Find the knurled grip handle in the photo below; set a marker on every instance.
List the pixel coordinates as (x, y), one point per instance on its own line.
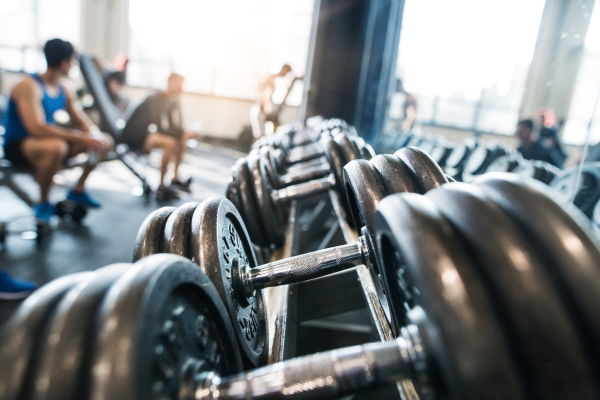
(323, 375)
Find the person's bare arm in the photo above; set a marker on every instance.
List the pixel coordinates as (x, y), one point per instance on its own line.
(28, 98)
(79, 118)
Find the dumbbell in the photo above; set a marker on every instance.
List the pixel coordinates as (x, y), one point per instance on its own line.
(252, 191)
(583, 190)
(481, 157)
(214, 236)
(511, 313)
(455, 163)
(540, 170)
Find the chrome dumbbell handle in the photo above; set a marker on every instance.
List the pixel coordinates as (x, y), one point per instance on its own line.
(307, 164)
(304, 153)
(304, 189)
(311, 172)
(324, 375)
(304, 267)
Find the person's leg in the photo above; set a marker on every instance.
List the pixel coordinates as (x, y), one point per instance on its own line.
(46, 155)
(167, 144)
(178, 157)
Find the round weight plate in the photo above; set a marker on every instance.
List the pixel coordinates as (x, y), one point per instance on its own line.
(450, 179)
(478, 159)
(348, 147)
(270, 213)
(176, 238)
(272, 176)
(441, 153)
(563, 237)
(231, 192)
(365, 190)
(503, 164)
(395, 175)
(426, 172)
(336, 161)
(19, 338)
(460, 153)
(425, 266)
(162, 318)
(61, 369)
(249, 205)
(78, 213)
(221, 246)
(585, 191)
(544, 341)
(149, 237)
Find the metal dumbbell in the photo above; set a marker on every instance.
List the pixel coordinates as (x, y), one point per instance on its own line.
(214, 235)
(456, 161)
(481, 157)
(581, 189)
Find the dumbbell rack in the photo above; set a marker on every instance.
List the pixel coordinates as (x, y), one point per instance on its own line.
(299, 312)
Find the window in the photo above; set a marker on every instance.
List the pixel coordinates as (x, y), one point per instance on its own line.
(587, 90)
(25, 25)
(467, 62)
(223, 48)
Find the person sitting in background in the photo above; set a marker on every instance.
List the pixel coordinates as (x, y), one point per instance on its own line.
(32, 138)
(156, 124)
(548, 136)
(530, 148)
(265, 109)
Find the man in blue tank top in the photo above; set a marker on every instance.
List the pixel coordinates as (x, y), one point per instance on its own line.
(32, 138)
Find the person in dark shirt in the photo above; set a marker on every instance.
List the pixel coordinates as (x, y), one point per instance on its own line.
(156, 124)
(548, 136)
(529, 148)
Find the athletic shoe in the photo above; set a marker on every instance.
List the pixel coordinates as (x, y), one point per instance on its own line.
(164, 193)
(181, 185)
(44, 211)
(84, 199)
(14, 289)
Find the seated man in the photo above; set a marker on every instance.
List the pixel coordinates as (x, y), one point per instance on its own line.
(156, 124)
(529, 148)
(32, 139)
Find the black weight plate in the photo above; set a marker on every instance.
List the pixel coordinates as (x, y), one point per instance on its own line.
(272, 175)
(441, 153)
(364, 190)
(19, 338)
(543, 339)
(569, 248)
(460, 153)
(149, 237)
(450, 179)
(527, 169)
(395, 174)
(426, 172)
(505, 163)
(425, 266)
(176, 238)
(584, 191)
(221, 244)
(62, 365)
(231, 192)
(479, 159)
(160, 319)
(250, 205)
(336, 161)
(348, 147)
(368, 152)
(271, 215)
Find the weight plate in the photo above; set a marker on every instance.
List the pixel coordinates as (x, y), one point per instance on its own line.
(19, 338)
(566, 242)
(149, 237)
(271, 216)
(543, 339)
(365, 190)
(249, 205)
(584, 192)
(503, 164)
(272, 176)
(479, 158)
(426, 172)
(426, 266)
(441, 153)
(176, 237)
(368, 152)
(348, 147)
(336, 161)
(460, 153)
(161, 320)
(231, 192)
(450, 179)
(61, 369)
(221, 246)
(395, 175)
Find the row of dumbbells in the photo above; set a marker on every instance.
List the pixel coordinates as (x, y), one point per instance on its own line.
(493, 291)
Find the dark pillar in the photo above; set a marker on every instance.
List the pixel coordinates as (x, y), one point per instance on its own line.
(352, 60)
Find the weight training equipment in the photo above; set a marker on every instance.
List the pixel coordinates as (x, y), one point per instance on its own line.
(71, 210)
(540, 170)
(583, 190)
(505, 163)
(213, 235)
(481, 157)
(456, 161)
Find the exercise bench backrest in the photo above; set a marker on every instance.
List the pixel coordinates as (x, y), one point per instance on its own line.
(102, 100)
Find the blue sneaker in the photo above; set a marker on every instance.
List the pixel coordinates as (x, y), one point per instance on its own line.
(44, 211)
(14, 289)
(84, 199)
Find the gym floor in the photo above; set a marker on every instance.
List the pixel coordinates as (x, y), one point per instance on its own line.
(106, 235)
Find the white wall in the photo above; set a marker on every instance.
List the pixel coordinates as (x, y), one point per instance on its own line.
(224, 118)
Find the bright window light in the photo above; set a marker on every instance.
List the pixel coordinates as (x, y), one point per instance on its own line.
(223, 48)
